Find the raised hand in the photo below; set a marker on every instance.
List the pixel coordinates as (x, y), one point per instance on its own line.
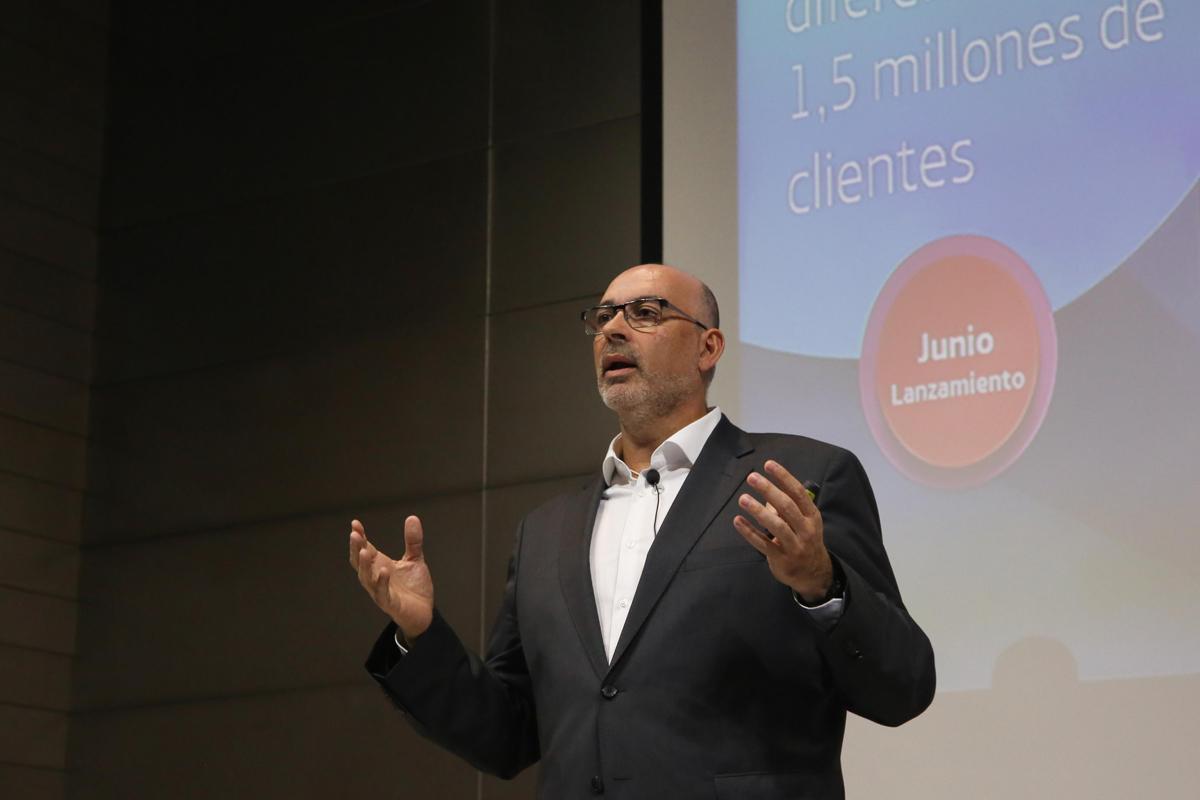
(791, 535)
(403, 588)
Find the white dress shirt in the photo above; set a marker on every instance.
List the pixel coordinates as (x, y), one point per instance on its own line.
(630, 514)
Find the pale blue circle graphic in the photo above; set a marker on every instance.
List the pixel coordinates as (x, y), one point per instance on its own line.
(1072, 164)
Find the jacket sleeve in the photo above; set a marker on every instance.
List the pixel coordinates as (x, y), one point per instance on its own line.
(481, 710)
(880, 660)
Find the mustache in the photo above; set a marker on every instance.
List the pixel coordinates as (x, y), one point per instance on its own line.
(627, 352)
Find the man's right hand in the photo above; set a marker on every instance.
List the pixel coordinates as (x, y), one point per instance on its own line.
(404, 588)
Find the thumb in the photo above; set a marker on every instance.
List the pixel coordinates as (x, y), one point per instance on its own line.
(414, 537)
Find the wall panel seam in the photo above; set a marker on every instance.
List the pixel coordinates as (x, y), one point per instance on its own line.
(33, 707)
(86, 225)
(44, 318)
(350, 508)
(270, 198)
(42, 481)
(85, 71)
(67, 654)
(366, 335)
(220, 52)
(47, 372)
(222, 697)
(553, 132)
(74, 544)
(62, 114)
(24, 648)
(61, 269)
(39, 593)
(74, 434)
(583, 298)
(38, 767)
(489, 234)
(49, 158)
(16, 587)
(114, 540)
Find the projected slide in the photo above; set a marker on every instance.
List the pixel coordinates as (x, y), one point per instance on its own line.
(923, 182)
(969, 251)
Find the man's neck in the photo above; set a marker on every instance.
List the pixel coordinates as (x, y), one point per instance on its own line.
(641, 437)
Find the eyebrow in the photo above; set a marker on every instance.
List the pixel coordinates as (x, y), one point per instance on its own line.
(608, 301)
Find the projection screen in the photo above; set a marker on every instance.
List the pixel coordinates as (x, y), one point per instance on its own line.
(962, 239)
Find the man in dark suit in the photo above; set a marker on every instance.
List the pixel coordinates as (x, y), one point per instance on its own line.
(692, 623)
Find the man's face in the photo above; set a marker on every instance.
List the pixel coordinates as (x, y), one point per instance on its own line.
(649, 371)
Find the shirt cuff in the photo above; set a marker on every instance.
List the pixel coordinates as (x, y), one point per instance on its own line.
(404, 650)
(826, 615)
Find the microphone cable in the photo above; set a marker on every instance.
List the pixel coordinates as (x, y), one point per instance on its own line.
(652, 478)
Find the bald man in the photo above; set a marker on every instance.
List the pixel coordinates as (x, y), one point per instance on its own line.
(693, 623)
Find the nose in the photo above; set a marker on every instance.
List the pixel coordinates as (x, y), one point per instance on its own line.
(614, 330)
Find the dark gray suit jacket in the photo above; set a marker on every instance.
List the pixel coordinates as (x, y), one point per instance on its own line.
(720, 685)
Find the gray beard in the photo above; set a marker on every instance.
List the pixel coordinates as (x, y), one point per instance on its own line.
(642, 401)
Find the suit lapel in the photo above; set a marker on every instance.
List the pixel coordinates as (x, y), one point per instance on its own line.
(719, 470)
(575, 573)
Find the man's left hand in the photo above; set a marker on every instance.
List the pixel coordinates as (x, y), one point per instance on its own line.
(790, 532)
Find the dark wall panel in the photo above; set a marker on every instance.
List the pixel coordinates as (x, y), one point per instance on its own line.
(322, 743)
(52, 97)
(33, 783)
(37, 564)
(70, 81)
(565, 65)
(296, 434)
(48, 184)
(242, 104)
(42, 453)
(37, 234)
(43, 398)
(32, 737)
(40, 288)
(399, 251)
(542, 394)
(43, 509)
(40, 127)
(567, 214)
(257, 608)
(33, 341)
(37, 621)
(34, 678)
(343, 250)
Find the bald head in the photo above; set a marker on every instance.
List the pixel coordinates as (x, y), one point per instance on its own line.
(684, 290)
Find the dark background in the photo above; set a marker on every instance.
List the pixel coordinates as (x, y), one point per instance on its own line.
(265, 267)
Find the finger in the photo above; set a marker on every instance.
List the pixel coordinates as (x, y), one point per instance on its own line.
(757, 539)
(381, 573)
(768, 518)
(366, 561)
(794, 488)
(358, 538)
(414, 540)
(777, 498)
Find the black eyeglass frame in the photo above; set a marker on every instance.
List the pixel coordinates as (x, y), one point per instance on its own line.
(663, 304)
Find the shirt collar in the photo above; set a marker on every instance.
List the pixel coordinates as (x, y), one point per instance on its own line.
(679, 451)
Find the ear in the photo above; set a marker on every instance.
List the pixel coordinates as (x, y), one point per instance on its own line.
(712, 345)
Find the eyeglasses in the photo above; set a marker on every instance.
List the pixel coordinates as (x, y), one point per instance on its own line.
(644, 312)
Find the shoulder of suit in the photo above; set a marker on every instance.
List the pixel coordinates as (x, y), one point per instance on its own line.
(795, 442)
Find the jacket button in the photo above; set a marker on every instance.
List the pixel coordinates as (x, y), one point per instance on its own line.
(597, 785)
(608, 691)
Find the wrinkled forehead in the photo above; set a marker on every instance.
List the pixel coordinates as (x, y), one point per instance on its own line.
(650, 282)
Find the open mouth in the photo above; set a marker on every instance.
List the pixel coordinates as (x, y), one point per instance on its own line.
(616, 365)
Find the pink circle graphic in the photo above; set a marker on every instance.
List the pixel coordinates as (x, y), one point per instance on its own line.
(958, 362)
